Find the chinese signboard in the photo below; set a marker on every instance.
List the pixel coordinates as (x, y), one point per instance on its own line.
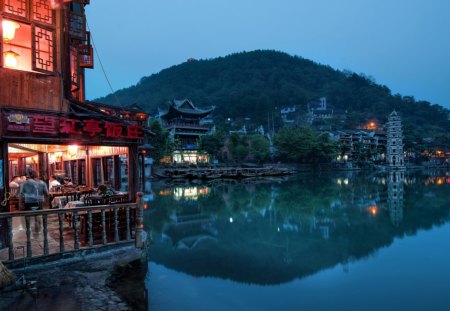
(56, 126)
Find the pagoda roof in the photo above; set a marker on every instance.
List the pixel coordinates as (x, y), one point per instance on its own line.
(184, 108)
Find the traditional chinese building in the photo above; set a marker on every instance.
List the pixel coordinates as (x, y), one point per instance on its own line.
(183, 120)
(394, 146)
(46, 126)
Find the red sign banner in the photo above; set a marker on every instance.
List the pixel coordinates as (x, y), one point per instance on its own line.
(47, 125)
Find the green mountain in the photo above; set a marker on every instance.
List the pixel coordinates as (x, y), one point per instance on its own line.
(254, 85)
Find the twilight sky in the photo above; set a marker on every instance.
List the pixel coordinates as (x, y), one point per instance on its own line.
(403, 44)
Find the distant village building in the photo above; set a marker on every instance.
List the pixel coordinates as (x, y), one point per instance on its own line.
(372, 141)
(289, 115)
(241, 132)
(394, 152)
(319, 110)
(184, 122)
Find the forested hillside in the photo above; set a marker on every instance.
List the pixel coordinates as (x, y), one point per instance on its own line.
(255, 85)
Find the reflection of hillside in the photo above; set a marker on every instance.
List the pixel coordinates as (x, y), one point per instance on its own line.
(274, 233)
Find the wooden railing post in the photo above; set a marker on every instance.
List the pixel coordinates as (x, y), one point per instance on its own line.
(76, 238)
(91, 239)
(128, 223)
(27, 223)
(139, 219)
(45, 223)
(104, 241)
(116, 225)
(61, 233)
(10, 239)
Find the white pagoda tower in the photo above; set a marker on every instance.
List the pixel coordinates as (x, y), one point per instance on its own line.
(394, 148)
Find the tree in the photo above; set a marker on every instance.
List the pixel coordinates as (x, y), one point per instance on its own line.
(302, 144)
(238, 147)
(160, 141)
(294, 144)
(212, 143)
(259, 147)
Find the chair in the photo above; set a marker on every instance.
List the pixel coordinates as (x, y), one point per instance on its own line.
(72, 195)
(118, 198)
(96, 200)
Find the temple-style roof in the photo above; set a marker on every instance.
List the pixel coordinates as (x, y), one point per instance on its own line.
(103, 111)
(184, 108)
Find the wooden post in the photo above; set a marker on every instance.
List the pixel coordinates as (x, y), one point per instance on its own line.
(104, 227)
(133, 170)
(10, 239)
(91, 240)
(139, 220)
(116, 225)
(45, 223)
(128, 224)
(75, 229)
(29, 251)
(61, 233)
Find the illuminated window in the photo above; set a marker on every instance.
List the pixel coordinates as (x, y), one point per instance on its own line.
(28, 35)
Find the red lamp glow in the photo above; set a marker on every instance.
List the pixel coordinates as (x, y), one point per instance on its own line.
(9, 30)
(10, 59)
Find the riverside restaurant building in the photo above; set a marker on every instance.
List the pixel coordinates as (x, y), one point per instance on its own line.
(46, 126)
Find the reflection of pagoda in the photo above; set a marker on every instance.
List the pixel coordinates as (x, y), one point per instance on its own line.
(183, 120)
(395, 196)
(395, 157)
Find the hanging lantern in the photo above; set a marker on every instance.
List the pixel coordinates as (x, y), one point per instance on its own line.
(10, 59)
(9, 30)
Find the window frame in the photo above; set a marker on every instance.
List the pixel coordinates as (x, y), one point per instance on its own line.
(33, 23)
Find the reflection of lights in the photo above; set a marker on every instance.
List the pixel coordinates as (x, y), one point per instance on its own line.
(178, 193)
(164, 192)
(203, 191)
(346, 181)
(278, 229)
(231, 219)
(345, 157)
(190, 192)
(373, 209)
(145, 206)
(339, 181)
(440, 181)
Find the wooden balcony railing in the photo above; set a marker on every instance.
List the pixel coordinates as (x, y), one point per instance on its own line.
(74, 229)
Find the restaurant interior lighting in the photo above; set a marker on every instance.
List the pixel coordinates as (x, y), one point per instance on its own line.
(72, 150)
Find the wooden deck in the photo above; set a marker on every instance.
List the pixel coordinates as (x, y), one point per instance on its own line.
(44, 233)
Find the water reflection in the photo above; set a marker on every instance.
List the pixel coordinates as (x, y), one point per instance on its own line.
(274, 232)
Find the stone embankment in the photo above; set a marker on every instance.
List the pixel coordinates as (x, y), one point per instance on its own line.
(75, 284)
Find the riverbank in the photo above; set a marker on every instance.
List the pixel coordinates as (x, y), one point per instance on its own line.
(82, 283)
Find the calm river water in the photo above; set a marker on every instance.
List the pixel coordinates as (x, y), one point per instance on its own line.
(344, 241)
